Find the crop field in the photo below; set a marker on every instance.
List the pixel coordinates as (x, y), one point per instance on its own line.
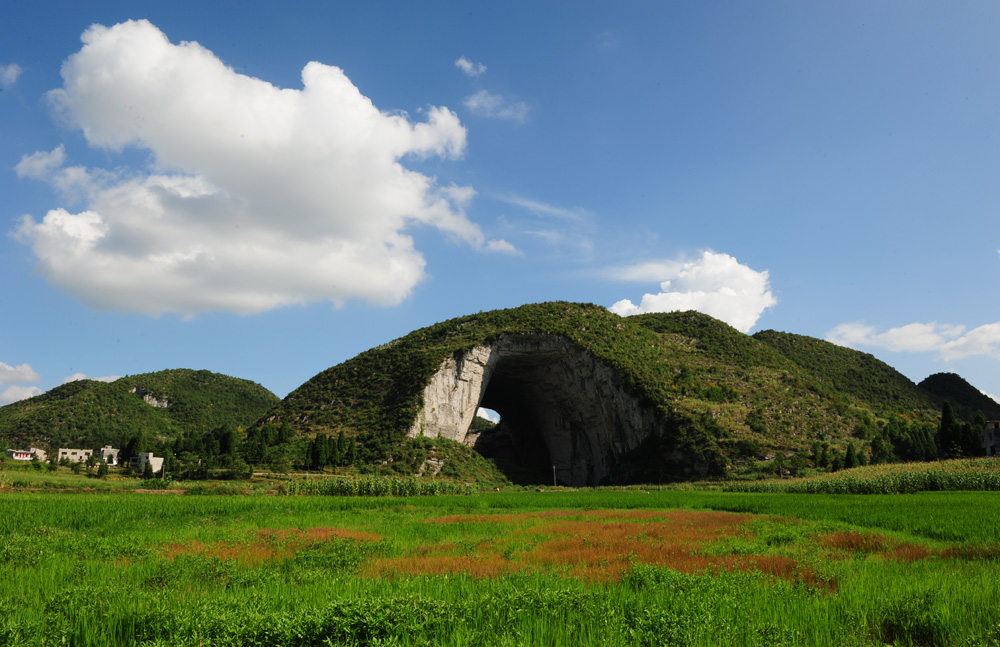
(536, 568)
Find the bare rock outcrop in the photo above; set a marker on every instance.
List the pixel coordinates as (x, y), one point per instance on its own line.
(561, 410)
(150, 399)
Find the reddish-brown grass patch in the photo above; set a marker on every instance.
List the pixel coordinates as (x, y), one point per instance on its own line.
(597, 545)
(267, 544)
(873, 544)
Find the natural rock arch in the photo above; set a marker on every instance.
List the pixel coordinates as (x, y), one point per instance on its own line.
(561, 410)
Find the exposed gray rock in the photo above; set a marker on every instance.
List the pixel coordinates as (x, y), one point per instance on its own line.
(149, 398)
(561, 409)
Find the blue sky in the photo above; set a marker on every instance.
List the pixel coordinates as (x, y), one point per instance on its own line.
(267, 191)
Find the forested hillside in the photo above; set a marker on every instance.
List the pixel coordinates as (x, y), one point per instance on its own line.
(727, 394)
(727, 399)
(161, 406)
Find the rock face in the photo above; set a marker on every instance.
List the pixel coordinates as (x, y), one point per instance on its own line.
(149, 398)
(561, 410)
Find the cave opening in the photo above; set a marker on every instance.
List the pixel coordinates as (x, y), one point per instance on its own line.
(539, 438)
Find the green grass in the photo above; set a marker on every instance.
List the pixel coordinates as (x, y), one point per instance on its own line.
(125, 569)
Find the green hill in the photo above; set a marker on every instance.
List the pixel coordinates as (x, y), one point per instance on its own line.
(966, 399)
(845, 373)
(88, 414)
(724, 396)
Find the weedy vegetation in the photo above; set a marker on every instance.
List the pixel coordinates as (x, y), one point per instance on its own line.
(605, 567)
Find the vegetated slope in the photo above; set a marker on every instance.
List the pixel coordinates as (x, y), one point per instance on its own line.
(376, 395)
(844, 372)
(966, 399)
(722, 392)
(87, 413)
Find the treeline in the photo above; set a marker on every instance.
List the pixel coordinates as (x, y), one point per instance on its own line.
(953, 438)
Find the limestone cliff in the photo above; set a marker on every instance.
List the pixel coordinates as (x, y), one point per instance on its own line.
(558, 404)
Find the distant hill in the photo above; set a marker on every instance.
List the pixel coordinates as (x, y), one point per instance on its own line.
(966, 399)
(843, 372)
(719, 392)
(163, 405)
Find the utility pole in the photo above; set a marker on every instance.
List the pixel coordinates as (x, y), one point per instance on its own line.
(553, 475)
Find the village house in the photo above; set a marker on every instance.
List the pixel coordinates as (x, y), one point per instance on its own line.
(991, 438)
(74, 455)
(108, 455)
(26, 454)
(138, 463)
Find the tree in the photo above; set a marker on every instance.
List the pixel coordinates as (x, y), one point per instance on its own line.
(948, 443)
(342, 449)
(881, 451)
(135, 446)
(241, 470)
(851, 458)
(102, 470)
(318, 452)
(779, 465)
(147, 471)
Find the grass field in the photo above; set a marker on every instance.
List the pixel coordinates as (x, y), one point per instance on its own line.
(538, 568)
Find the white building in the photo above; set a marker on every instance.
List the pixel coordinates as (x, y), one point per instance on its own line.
(108, 454)
(138, 463)
(75, 455)
(26, 454)
(991, 438)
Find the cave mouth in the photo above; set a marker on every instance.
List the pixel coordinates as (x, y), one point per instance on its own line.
(539, 437)
(565, 416)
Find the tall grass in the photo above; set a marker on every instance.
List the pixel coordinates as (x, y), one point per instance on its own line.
(133, 569)
(904, 478)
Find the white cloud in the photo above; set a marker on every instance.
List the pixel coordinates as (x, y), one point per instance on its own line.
(503, 247)
(915, 337)
(16, 393)
(991, 396)
(41, 165)
(981, 341)
(950, 342)
(495, 106)
(260, 197)
(470, 68)
(558, 227)
(9, 74)
(20, 373)
(544, 209)
(83, 376)
(714, 284)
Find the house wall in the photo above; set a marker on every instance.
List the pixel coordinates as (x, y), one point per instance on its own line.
(991, 438)
(74, 455)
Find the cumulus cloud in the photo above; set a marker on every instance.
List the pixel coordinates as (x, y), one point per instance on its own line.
(470, 68)
(259, 196)
(16, 393)
(501, 246)
(9, 74)
(495, 106)
(83, 376)
(950, 342)
(11, 375)
(41, 165)
(20, 373)
(714, 284)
